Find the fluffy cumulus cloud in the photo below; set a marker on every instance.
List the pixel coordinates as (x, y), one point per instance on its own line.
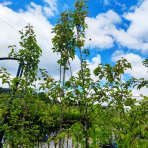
(11, 22)
(103, 32)
(98, 33)
(135, 37)
(139, 24)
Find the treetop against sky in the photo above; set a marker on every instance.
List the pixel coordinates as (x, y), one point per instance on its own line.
(116, 28)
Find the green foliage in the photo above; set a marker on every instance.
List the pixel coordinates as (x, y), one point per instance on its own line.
(21, 109)
(29, 53)
(5, 76)
(64, 40)
(139, 83)
(145, 62)
(79, 16)
(90, 112)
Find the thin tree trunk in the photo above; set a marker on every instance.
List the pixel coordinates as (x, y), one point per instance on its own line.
(67, 143)
(86, 134)
(60, 73)
(48, 145)
(70, 68)
(38, 143)
(1, 137)
(64, 71)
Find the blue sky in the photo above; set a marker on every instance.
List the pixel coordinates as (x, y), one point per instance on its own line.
(117, 28)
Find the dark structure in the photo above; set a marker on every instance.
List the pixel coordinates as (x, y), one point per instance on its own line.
(7, 90)
(20, 68)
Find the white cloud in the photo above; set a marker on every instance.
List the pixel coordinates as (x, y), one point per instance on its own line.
(95, 62)
(98, 33)
(135, 37)
(103, 32)
(75, 65)
(139, 22)
(11, 22)
(127, 40)
(42, 28)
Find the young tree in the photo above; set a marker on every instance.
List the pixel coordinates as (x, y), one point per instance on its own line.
(19, 124)
(71, 108)
(64, 44)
